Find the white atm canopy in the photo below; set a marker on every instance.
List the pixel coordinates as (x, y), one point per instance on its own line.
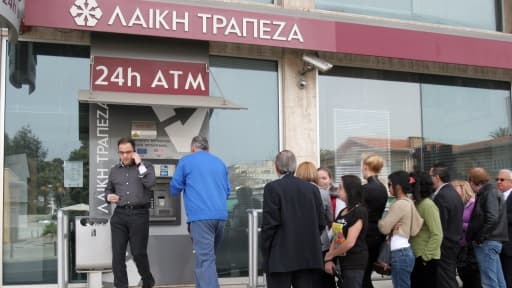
(123, 98)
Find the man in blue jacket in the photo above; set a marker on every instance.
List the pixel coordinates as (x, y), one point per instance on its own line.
(203, 178)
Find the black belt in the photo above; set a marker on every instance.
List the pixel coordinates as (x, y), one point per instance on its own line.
(146, 206)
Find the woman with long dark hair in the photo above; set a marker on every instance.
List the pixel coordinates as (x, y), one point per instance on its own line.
(349, 245)
(402, 221)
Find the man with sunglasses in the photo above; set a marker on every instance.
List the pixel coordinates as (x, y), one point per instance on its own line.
(129, 187)
(504, 184)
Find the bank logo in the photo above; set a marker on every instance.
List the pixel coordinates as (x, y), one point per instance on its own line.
(86, 12)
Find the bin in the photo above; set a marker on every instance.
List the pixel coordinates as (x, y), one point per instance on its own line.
(93, 244)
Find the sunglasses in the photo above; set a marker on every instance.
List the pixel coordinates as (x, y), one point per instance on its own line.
(502, 179)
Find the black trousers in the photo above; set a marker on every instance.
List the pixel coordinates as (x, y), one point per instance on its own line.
(467, 268)
(506, 265)
(299, 279)
(447, 267)
(424, 274)
(130, 226)
(373, 243)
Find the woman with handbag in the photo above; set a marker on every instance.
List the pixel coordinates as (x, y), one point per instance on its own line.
(349, 244)
(402, 221)
(426, 246)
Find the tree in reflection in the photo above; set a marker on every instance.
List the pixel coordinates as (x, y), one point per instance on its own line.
(500, 132)
(45, 184)
(27, 143)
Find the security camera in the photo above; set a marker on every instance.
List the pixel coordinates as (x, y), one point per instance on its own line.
(302, 83)
(319, 63)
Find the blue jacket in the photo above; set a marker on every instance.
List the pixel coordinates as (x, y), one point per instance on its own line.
(203, 178)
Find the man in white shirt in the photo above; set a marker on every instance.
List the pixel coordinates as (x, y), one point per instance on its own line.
(504, 184)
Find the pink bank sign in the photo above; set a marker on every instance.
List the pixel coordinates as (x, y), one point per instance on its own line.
(166, 19)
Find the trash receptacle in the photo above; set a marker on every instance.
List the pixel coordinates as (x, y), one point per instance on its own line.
(93, 244)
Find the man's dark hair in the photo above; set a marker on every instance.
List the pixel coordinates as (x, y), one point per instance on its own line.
(442, 171)
(354, 189)
(125, 140)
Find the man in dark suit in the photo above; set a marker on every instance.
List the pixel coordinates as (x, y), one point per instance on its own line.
(450, 211)
(292, 224)
(504, 184)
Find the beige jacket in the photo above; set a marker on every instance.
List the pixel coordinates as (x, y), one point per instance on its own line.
(400, 212)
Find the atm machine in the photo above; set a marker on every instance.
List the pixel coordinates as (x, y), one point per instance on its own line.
(165, 209)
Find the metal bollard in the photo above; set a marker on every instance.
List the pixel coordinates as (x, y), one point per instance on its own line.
(253, 247)
(62, 250)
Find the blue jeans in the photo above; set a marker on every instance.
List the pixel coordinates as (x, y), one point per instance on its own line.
(402, 263)
(488, 257)
(206, 236)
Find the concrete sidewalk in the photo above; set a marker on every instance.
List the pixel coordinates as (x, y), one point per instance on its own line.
(242, 283)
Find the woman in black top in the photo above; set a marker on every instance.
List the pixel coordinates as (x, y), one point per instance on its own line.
(375, 199)
(351, 244)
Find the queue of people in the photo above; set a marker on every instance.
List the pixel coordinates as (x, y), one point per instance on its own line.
(313, 231)
(437, 229)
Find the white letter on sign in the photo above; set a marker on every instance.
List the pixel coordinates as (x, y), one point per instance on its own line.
(159, 80)
(119, 14)
(197, 82)
(176, 77)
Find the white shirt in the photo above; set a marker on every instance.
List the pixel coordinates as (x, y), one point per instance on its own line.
(399, 242)
(438, 189)
(339, 206)
(506, 193)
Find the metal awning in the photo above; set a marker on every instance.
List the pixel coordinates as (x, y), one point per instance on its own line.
(146, 99)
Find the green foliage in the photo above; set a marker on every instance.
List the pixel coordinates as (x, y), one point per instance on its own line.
(500, 132)
(25, 142)
(50, 229)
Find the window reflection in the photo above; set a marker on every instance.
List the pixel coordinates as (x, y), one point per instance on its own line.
(360, 116)
(413, 121)
(42, 137)
(476, 13)
(247, 140)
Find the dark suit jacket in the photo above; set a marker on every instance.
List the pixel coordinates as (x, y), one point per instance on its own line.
(292, 223)
(450, 211)
(507, 246)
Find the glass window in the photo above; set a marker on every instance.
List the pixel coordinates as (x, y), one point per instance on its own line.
(476, 14)
(247, 140)
(467, 125)
(46, 160)
(362, 115)
(413, 121)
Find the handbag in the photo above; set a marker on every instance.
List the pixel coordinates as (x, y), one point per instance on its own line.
(338, 278)
(383, 263)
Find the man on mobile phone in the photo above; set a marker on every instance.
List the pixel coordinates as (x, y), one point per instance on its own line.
(129, 187)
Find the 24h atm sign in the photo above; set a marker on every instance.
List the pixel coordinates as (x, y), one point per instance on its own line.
(149, 76)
